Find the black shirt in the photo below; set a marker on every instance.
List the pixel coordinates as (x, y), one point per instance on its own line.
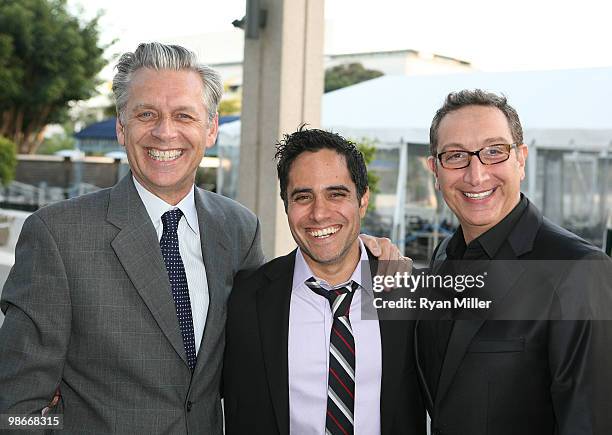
(487, 244)
(484, 247)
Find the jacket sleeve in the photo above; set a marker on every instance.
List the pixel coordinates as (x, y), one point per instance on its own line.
(579, 349)
(36, 330)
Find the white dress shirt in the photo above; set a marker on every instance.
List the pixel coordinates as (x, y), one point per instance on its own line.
(190, 249)
(310, 322)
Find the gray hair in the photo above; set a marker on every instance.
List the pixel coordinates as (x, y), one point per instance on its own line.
(476, 97)
(159, 56)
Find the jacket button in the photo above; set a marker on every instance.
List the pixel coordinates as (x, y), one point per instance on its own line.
(189, 406)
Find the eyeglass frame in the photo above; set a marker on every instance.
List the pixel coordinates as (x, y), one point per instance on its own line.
(476, 153)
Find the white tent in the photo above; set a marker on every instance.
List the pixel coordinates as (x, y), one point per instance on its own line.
(557, 108)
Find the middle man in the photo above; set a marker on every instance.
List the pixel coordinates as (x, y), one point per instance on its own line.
(299, 357)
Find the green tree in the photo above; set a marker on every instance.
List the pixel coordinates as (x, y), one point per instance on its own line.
(110, 111)
(8, 161)
(57, 142)
(368, 149)
(47, 59)
(344, 75)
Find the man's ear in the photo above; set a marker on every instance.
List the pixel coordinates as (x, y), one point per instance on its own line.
(213, 130)
(433, 168)
(522, 151)
(120, 131)
(365, 200)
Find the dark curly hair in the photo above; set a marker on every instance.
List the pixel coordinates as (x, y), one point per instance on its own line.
(312, 140)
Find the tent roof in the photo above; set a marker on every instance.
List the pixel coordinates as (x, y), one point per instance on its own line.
(99, 130)
(567, 105)
(106, 129)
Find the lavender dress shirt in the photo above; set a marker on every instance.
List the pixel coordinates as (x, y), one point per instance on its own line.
(310, 321)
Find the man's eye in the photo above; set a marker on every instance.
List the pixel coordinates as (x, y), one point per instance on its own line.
(184, 116)
(145, 115)
(300, 198)
(494, 151)
(455, 156)
(338, 194)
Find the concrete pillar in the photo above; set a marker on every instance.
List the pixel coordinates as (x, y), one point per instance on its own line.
(282, 88)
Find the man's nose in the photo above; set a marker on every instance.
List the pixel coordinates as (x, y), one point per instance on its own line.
(476, 173)
(320, 209)
(164, 130)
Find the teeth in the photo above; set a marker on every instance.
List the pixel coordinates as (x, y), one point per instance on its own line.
(480, 195)
(325, 232)
(164, 156)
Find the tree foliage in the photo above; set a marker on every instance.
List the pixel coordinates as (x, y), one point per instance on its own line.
(8, 161)
(229, 106)
(55, 143)
(368, 149)
(47, 58)
(344, 75)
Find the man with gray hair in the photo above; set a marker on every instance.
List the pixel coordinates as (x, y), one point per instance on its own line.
(117, 299)
(115, 308)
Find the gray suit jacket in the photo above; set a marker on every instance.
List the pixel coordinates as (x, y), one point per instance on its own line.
(89, 308)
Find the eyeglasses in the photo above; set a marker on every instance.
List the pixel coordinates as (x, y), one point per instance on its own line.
(491, 155)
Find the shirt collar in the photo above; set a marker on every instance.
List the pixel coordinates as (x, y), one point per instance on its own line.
(492, 240)
(302, 272)
(156, 206)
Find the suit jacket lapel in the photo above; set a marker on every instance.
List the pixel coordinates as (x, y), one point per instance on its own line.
(138, 251)
(214, 242)
(500, 280)
(461, 336)
(420, 373)
(429, 294)
(273, 301)
(393, 336)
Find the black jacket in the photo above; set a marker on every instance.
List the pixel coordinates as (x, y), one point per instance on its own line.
(522, 367)
(255, 375)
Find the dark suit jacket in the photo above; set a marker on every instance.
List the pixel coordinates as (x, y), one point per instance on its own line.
(524, 375)
(89, 309)
(255, 374)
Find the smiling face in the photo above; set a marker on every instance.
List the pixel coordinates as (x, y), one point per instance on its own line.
(324, 213)
(166, 130)
(479, 195)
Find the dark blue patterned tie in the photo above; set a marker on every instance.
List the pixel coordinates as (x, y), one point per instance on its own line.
(341, 377)
(178, 281)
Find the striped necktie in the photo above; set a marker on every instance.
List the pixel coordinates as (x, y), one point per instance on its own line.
(341, 375)
(178, 281)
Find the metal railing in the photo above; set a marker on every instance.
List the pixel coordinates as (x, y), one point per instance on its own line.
(21, 196)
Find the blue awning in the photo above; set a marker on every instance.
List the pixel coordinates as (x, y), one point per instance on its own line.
(99, 130)
(105, 130)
